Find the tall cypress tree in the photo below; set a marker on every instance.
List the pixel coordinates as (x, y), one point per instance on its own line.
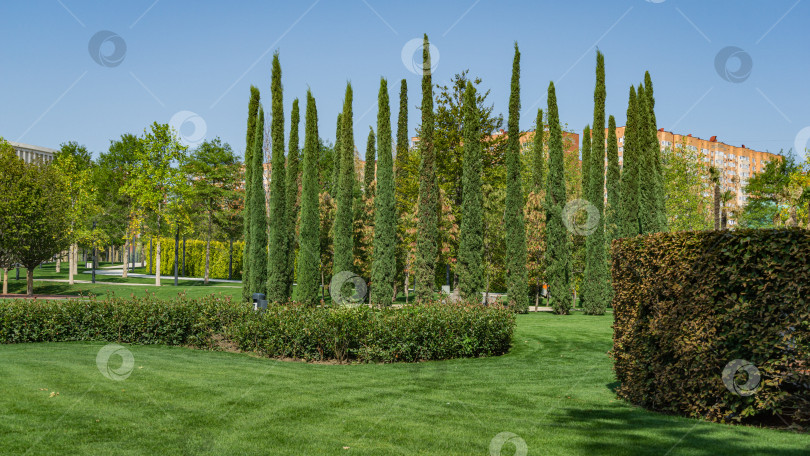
(277, 275)
(470, 252)
(517, 282)
(538, 156)
(368, 172)
(253, 114)
(628, 222)
(257, 257)
(309, 252)
(586, 160)
(402, 179)
(344, 257)
(427, 235)
(383, 266)
(613, 173)
(336, 161)
(595, 283)
(652, 128)
(291, 193)
(648, 218)
(558, 248)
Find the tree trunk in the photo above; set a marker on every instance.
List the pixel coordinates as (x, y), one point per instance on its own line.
(407, 285)
(125, 254)
(716, 206)
(71, 263)
(59, 262)
(30, 281)
(5, 281)
(176, 252)
(157, 262)
(183, 271)
(793, 219)
(723, 219)
(207, 251)
(151, 256)
(230, 259)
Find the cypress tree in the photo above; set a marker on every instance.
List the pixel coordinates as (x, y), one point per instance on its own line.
(427, 234)
(628, 222)
(558, 248)
(470, 252)
(613, 173)
(586, 160)
(538, 156)
(652, 128)
(368, 173)
(648, 218)
(277, 275)
(383, 266)
(291, 193)
(402, 179)
(257, 257)
(309, 253)
(253, 114)
(517, 282)
(337, 153)
(343, 242)
(595, 283)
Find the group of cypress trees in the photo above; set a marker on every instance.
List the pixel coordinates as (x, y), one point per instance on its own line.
(635, 203)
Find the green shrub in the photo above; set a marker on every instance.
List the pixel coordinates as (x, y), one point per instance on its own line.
(412, 333)
(688, 304)
(195, 258)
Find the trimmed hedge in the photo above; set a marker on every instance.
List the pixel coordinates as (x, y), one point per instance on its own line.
(419, 332)
(688, 304)
(195, 258)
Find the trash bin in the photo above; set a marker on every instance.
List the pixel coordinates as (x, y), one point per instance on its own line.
(89, 265)
(259, 302)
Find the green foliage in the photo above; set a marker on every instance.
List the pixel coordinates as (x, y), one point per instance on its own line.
(558, 249)
(471, 249)
(685, 178)
(370, 168)
(293, 176)
(428, 216)
(612, 183)
(195, 258)
(628, 220)
(538, 156)
(768, 194)
(336, 157)
(689, 303)
(659, 195)
(586, 160)
(278, 237)
(378, 335)
(383, 268)
(309, 252)
(517, 285)
(253, 117)
(343, 241)
(256, 279)
(596, 283)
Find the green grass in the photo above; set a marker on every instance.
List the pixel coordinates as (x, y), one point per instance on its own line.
(554, 390)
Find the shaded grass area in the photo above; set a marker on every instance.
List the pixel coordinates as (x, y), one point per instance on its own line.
(553, 390)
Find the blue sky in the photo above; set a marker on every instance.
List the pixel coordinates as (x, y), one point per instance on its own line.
(202, 56)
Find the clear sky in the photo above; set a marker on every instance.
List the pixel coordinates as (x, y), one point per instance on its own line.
(202, 57)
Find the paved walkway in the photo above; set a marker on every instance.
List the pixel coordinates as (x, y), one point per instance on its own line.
(126, 284)
(116, 271)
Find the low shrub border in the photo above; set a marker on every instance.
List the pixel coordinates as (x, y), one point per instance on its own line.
(715, 324)
(419, 332)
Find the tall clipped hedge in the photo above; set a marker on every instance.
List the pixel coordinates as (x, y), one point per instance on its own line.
(688, 304)
(195, 258)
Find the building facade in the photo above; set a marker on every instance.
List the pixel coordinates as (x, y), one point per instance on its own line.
(31, 154)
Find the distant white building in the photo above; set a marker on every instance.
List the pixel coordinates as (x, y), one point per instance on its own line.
(30, 153)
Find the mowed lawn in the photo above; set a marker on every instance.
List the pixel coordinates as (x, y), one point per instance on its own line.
(553, 390)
